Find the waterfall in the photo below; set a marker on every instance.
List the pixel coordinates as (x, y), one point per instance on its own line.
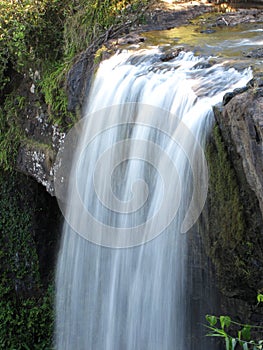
(137, 185)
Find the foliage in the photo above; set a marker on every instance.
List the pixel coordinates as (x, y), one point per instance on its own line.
(260, 298)
(91, 18)
(223, 327)
(11, 133)
(53, 88)
(242, 338)
(30, 31)
(86, 21)
(33, 32)
(27, 323)
(26, 311)
(45, 36)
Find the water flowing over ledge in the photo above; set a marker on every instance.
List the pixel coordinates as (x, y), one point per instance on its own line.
(128, 173)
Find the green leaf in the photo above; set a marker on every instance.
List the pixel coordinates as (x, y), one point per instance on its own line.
(225, 321)
(260, 298)
(245, 346)
(228, 345)
(234, 343)
(245, 333)
(212, 320)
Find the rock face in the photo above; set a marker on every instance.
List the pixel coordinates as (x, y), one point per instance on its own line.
(38, 159)
(42, 138)
(37, 162)
(79, 80)
(241, 123)
(234, 235)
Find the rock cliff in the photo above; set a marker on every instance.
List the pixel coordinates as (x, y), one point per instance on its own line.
(241, 123)
(234, 235)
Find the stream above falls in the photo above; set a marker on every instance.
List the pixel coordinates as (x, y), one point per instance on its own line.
(209, 35)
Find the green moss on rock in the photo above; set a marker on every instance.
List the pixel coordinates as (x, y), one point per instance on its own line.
(231, 240)
(26, 301)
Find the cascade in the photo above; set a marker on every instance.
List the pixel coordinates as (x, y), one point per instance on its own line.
(137, 185)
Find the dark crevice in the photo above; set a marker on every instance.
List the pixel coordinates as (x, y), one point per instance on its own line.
(258, 138)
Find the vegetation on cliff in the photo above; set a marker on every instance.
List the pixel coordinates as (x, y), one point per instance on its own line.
(39, 41)
(26, 310)
(34, 33)
(234, 232)
(233, 243)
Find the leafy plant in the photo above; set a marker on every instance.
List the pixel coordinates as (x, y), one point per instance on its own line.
(30, 31)
(11, 133)
(53, 88)
(91, 18)
(260, 298)
(45, 36)
(27, 323)
(234, 333)
(26, 307)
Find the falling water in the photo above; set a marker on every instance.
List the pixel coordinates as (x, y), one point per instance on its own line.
(137, 184)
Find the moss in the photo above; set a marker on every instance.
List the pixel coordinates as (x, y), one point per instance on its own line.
(34, 144)
(230, 240)
(226, 193)
(11, 132)
(100, 53)
(26, 306)
(53, 88)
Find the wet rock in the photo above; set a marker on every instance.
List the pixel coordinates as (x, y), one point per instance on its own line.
(228, 96)
(256, 53)
(239, 16)
(207, 31)
(168, 55)
(202, 65)
(76, 83)
(256, 82)
(130, 39)
(221, 22)
(241, 123)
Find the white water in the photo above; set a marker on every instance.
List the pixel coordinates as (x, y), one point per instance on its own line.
(136, 298)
